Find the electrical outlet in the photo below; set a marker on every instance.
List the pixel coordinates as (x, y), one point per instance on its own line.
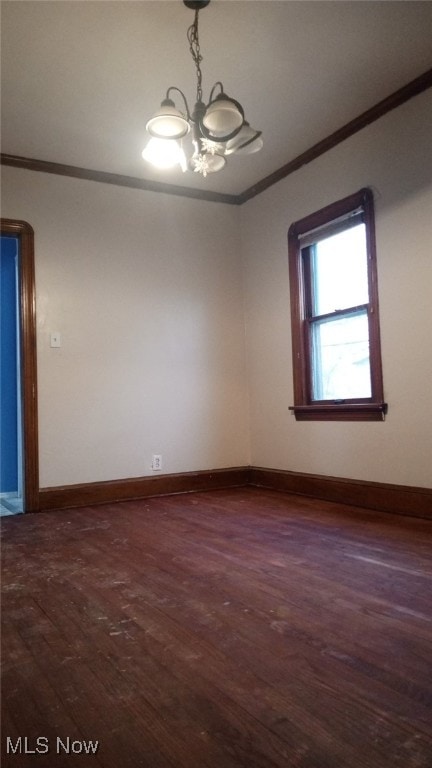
(156, 463)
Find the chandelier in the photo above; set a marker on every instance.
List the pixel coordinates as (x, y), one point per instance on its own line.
(219, 128)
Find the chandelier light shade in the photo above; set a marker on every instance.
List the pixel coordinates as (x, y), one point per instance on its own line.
(168, 122)
(218, 128)
(245, 142)
(165, 153)
(223, 117)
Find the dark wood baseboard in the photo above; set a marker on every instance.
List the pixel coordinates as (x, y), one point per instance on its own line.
(399, 499)
(139, 488)
(383, 497)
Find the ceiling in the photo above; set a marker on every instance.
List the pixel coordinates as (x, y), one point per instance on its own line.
(81, 79)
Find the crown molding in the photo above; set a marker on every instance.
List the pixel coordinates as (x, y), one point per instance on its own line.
(415, 87)
(396, 99)
(45, 166)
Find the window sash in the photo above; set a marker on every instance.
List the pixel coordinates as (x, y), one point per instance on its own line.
(329, 362)
(307, 256)
(340, 224)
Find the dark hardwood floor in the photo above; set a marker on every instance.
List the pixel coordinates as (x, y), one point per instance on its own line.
(216, 630)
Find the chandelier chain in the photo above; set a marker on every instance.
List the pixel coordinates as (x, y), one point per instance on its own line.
(194, 47)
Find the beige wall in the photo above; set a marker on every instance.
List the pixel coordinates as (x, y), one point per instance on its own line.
(146, 292)
(393, 156)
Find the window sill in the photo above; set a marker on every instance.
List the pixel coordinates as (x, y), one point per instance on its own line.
(340, 412)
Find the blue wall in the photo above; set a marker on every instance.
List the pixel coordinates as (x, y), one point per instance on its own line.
(8, 366)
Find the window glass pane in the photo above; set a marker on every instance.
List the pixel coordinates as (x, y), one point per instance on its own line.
(339, 271)
(340, 358)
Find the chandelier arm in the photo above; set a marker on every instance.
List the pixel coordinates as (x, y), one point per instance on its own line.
(217, 83)
(174, 88)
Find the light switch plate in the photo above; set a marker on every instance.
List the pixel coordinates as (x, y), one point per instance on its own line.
(55, 339)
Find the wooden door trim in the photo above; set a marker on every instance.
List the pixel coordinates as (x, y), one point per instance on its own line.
(24, 232)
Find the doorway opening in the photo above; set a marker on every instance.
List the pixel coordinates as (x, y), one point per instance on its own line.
(11, 489)
(19, 465)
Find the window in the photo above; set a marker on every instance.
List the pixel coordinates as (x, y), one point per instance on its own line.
(334, 313)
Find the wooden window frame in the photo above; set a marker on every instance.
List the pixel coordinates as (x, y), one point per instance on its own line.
(356, 409)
